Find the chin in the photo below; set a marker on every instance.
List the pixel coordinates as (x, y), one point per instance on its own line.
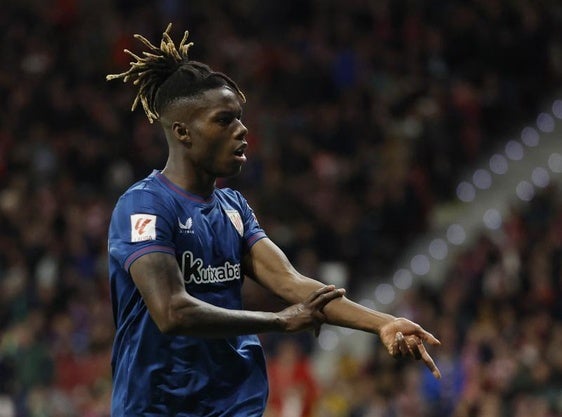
(230, 173)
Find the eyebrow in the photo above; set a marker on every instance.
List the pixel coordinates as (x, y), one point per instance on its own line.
(225, 112)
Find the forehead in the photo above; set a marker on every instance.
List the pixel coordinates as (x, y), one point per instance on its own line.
(204, 105)
(218, 99)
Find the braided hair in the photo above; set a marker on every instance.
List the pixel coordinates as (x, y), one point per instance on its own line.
(165, 74)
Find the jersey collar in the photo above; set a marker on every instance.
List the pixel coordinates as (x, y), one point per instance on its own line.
(178, 190)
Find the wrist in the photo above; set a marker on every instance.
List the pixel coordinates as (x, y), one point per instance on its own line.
(279, 323)
(384, 320)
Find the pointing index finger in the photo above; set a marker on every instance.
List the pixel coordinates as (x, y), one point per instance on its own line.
(429, 338)
(428, 360)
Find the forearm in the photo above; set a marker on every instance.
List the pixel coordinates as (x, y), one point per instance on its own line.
(188, 315)
(197, 318)
(340, 312)
(350, 314)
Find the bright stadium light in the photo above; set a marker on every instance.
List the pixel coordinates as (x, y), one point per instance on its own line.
(385, 294)
(530, 137)
(498, 164)
(540, 177)
(545, 122)
(438, 249)
(466, 192)
(328, 340)
(456, 234)
(420, 265)
(557, 108)
(514, 150)
(555, 163)
(482, 179)
(403, 279)
(492, 219)
(525, 191)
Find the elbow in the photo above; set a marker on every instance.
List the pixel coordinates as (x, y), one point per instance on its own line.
(165, 318)
(167, 327)
(175, 323)
(175, 318)
(167, 324)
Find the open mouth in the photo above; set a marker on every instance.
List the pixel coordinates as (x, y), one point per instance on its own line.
(240, 150)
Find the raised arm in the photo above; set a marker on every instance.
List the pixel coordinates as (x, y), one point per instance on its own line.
(159, 280)
(269, 266)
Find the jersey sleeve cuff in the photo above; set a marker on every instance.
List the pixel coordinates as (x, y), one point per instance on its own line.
(254, 238)
(143, 251)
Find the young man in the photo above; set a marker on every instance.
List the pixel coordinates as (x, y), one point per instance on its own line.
(179, 250)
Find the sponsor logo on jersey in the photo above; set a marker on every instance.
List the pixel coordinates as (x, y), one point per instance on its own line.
(143, 227)
(236, 220)
(194, 271)
(186, 227)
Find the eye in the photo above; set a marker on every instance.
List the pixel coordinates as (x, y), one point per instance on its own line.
(225, 120)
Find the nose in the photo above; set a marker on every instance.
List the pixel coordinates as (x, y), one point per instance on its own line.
(241, 131)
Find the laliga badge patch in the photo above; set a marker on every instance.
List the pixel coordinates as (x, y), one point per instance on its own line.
(143, 227)
(236, 220)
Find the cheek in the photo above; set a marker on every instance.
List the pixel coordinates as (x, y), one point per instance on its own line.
(216, 146)
(210, 148)
(203, 143)
(215, 150)
(210, 153)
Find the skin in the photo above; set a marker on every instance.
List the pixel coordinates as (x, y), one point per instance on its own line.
(203, 135)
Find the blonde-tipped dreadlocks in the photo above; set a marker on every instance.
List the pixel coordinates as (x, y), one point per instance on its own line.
(165, 74)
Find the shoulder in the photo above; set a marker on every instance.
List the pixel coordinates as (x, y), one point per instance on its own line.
(231, 196)
(146, 188)
(146, 185)
(227, 192)
(146, 195)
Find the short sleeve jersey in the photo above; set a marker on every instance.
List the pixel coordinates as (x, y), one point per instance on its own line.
(162, 375)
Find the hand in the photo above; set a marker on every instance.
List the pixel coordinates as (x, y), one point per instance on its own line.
(402, 337)
(309, 313)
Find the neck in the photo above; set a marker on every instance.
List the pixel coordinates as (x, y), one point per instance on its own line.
(188, 179)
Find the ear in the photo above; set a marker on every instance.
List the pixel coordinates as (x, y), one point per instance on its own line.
(181, 133)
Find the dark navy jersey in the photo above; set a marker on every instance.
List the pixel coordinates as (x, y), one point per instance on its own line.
(163, 375)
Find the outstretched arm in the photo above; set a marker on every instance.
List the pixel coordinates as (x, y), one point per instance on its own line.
(160, 282)
(269, 266)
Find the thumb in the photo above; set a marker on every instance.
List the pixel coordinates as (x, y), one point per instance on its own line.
(317, 330)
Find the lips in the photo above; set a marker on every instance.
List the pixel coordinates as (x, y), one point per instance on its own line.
(239, 151)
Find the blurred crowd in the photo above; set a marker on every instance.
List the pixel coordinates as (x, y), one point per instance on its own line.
(362, 115)
(499, 318)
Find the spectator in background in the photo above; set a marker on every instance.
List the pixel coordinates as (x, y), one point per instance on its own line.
(293, 387)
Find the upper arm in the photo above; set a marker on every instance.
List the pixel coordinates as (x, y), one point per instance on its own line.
(160, 283)
(267, 264)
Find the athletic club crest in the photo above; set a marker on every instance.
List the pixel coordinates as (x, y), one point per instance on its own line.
(236, 220)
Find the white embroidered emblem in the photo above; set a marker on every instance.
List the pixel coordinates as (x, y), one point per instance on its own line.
(187, 225)
(236, 220)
